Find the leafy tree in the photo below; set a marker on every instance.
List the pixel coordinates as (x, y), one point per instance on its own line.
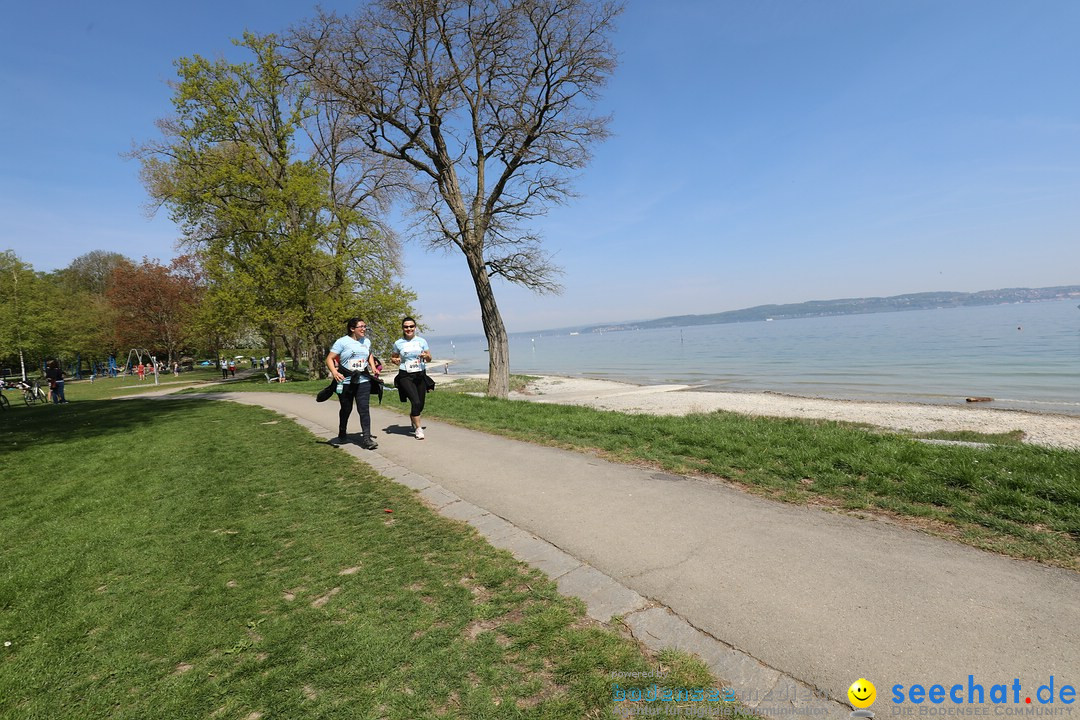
(90, 324)
(29, 313)
(91, 272)
(281, 235)
(486, 104)
(152, 305)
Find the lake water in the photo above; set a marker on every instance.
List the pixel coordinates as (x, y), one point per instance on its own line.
(1026, 356)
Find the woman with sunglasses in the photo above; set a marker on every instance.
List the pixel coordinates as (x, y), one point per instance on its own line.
(349, 358)
(411, 353)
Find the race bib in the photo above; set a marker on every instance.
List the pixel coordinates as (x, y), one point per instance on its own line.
(356, 364)
(413, 365)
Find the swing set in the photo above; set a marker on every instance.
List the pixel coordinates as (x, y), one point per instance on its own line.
(150, 359)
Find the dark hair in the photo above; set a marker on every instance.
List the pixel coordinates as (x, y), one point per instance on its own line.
(407, 319)
(353, 322)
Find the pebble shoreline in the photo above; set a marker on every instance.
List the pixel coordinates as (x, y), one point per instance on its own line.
(1058, 431)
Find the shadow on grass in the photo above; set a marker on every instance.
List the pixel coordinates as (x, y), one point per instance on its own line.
(89, 419)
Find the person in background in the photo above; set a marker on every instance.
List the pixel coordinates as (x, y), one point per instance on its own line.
(349, 358)
(411, 354)
(281, 371)
(55, 375)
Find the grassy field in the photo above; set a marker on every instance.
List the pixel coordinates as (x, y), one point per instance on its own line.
(190, 559)
(104, 388)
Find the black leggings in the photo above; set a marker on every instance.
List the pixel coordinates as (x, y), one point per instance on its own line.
(414, 387)
(360, 392)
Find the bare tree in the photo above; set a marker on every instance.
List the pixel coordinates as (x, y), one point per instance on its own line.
(487, 104)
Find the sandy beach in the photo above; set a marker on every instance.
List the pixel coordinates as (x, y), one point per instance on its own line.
(1059, 431)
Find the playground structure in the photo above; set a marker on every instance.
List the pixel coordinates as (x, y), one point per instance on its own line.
(150, 359)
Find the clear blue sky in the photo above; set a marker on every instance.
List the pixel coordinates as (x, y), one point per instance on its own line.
(762, 151)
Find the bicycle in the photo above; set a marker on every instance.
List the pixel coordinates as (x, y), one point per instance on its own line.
(31, 392)
(4, 404)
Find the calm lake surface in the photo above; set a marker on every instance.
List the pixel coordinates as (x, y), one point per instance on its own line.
(1026, 356)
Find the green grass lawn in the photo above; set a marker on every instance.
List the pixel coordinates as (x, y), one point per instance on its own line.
(194, 559)
(125, 385)
(103, 388)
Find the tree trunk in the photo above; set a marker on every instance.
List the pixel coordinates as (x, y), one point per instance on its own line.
(316, 369)
(294, 349)
(498, 343)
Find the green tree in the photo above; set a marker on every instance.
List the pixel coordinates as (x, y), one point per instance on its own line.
(152, 306)
(29, 313)
(90, 273)
(284, 244)
(90, 323)
(486, 104)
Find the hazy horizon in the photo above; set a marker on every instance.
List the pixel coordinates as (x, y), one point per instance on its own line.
(633, 321)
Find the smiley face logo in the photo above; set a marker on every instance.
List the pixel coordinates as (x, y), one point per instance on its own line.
(862, 693)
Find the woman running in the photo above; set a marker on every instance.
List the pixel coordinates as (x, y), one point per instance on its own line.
(411, 353)
(350, 363)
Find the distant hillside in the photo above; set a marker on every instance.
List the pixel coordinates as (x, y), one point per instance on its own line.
(855, 306)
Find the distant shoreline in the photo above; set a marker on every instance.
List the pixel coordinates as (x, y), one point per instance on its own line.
(851, 306)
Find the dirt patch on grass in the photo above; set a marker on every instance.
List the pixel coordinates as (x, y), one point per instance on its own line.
(323, 599)
(480, 593)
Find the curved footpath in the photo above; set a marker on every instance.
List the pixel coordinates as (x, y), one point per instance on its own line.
(776, 598)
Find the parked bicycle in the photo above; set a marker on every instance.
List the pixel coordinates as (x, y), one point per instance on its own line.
(31, 391)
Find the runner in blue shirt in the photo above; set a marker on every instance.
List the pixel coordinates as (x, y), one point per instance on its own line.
(412, 354)
(349, 357)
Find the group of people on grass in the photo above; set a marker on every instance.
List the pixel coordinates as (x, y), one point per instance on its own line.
(354, 368)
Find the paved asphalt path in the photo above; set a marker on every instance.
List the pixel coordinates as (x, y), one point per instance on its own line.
(821, 597)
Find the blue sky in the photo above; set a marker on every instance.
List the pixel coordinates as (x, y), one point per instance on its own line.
(762, 152)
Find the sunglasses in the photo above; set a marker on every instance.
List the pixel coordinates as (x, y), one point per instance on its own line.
(408, 327)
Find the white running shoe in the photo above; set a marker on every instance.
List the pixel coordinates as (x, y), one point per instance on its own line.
(419, 433)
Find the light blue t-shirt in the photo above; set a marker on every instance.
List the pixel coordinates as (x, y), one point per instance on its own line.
(410, 350)
(352, 356)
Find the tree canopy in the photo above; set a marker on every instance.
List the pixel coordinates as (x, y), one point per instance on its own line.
(267, 205)
(153, 306)
(30, 317)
